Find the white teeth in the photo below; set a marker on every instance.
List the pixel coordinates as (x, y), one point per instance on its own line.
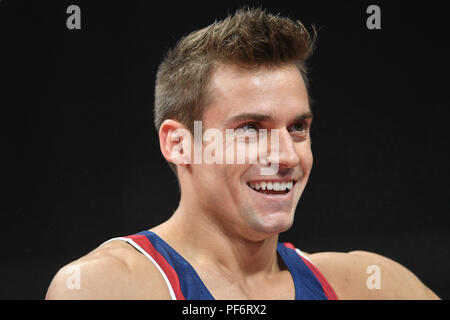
(269, 185)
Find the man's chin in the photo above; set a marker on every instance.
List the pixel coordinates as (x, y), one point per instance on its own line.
(269, 214)
(268, 225)
(281, 225)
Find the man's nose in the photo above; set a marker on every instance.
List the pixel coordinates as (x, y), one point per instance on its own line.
(284, 153)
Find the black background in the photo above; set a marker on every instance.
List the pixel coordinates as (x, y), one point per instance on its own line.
(81, 161)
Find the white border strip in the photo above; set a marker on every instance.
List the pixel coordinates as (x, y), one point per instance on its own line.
(303, 255)
(139, 248)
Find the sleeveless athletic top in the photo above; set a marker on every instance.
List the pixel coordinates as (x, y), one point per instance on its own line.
(184, 283)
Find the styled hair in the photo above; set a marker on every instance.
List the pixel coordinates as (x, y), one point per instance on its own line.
(250, 38)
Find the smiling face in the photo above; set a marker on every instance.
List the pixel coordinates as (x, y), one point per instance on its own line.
(238, 196)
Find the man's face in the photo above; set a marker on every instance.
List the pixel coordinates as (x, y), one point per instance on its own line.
(234, 194)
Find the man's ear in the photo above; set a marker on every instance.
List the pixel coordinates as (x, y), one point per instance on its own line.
(175, 142)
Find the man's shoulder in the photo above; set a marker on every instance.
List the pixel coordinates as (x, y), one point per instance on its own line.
(367, 275)
(114, 270)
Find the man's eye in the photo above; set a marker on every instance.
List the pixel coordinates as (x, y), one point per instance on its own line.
(299, 126)
(249, 126)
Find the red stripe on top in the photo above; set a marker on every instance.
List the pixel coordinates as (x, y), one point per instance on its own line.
(289, 245)
(145, 244)
(327, 289)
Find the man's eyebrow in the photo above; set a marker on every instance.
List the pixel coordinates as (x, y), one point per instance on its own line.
(260, 117)
(304, 116)
(247, 116)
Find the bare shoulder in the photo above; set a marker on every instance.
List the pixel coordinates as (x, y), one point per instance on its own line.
(367, 275)
(113, 271)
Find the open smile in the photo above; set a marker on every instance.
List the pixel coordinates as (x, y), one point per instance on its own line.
(272, 187)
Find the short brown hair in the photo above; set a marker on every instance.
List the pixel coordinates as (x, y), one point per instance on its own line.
(250, 38)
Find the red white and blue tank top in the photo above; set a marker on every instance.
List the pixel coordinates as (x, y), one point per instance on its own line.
(184, 283)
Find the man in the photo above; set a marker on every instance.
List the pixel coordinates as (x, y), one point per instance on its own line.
(245, 75)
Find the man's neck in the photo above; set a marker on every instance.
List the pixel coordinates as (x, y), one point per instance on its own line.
(203, 241)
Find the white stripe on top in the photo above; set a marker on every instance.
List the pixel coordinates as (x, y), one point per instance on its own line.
(139, 248)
